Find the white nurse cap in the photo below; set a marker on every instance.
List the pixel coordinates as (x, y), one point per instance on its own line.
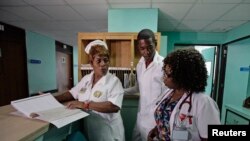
(93, 43)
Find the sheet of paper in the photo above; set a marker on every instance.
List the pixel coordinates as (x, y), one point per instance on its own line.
(66, 120)
(57, 113)
(35, 104)
(48, 109)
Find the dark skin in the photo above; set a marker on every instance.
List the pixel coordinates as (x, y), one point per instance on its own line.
(100, 66)
(146, 48)
(177, 94)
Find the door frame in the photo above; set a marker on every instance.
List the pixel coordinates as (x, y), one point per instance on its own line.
(222, 73)
(11, 35)
(66, 49)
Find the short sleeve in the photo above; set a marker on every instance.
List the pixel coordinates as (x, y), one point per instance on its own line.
(77, 88)
(116, 93)
(208, 114)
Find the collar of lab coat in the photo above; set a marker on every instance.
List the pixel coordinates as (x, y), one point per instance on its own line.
(155, 60)
(101, 81)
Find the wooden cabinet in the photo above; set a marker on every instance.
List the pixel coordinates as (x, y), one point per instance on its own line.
(233, 118)
(122, 48)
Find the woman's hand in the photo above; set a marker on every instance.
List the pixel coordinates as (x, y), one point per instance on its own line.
(152, 134)
(75, 104)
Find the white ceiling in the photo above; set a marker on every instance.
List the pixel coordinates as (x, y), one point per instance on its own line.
(63, 19)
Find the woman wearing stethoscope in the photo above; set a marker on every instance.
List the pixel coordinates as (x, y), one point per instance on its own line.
(184, 112)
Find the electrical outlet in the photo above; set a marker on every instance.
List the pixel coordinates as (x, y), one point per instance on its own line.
(1, 27)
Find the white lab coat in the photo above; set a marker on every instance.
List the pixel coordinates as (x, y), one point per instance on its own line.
(150, 86)
(204, 112)
(102, 126)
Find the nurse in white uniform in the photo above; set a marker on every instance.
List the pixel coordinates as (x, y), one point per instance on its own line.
(149, 84)
(100, 93)
(185, 112)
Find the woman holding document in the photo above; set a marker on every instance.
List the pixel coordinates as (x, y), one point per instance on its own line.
(100, 93)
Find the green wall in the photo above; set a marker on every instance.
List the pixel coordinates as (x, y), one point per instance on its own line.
(41, 77)
(239, 32)
(132, 19)
(192, 38)
(164, 44)
(202, 38)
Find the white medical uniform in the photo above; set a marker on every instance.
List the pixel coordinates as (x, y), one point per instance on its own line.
(204, 112)
(102, 126)
(150, 86)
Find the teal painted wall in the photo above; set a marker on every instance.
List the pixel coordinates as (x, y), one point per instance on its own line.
(41, 77)
(75, 64)
(132, 19)
(236, 81)
(164, 45)
(206, 38)
(192, 38)
(239, 32)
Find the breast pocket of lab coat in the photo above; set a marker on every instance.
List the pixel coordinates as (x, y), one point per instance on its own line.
(188, 119)
(99, 95)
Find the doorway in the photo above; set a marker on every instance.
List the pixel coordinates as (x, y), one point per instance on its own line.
(64, 66)
(13, 65)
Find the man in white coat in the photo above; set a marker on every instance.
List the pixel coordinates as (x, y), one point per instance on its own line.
(149, 84)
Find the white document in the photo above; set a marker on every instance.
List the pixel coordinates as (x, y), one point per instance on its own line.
(48, 109)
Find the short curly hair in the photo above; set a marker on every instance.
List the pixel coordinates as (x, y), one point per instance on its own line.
(98, 49)
(188, 69)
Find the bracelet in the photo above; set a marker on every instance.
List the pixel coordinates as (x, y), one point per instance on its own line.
(86, 105)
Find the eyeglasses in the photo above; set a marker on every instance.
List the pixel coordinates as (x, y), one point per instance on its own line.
(166, 75)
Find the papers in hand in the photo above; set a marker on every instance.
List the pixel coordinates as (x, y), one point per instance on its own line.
(48, 109)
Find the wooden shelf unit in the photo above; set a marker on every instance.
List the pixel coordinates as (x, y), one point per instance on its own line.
(122, 48)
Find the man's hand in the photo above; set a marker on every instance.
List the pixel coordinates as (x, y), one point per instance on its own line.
(152, 134)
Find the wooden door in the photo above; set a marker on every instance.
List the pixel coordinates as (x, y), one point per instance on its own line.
(13, 65)
(64, 69)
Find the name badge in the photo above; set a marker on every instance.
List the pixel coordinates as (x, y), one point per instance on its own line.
(181, 134)
(97, 94)
(82, 90)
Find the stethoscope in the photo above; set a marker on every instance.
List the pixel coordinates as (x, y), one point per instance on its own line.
(182, 118)
(188, 102)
